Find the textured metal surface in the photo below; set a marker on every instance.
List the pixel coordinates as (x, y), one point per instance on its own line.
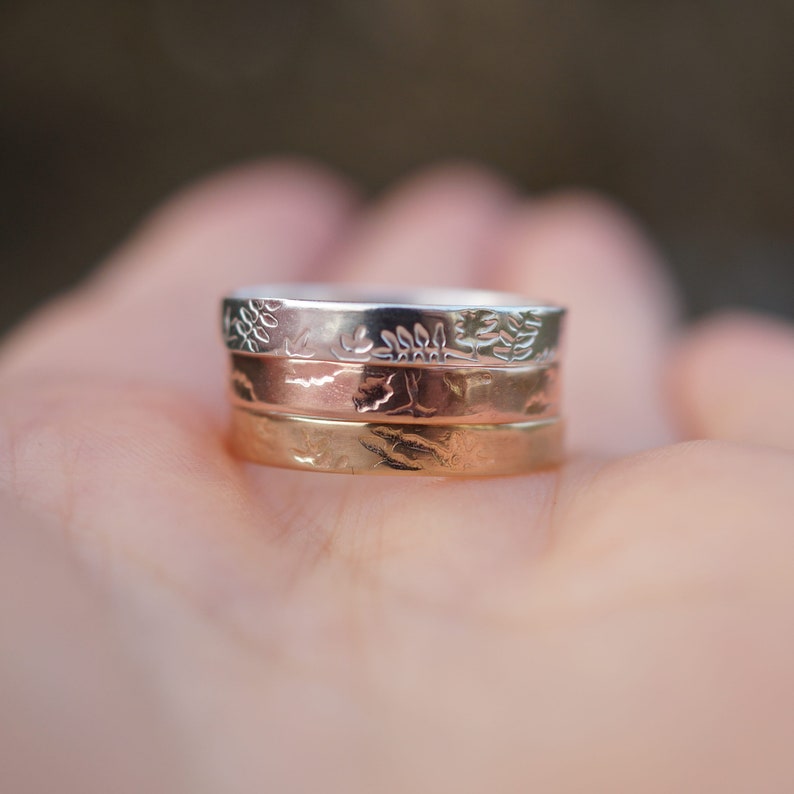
(459, 327)
(389, 393)
(377, 448)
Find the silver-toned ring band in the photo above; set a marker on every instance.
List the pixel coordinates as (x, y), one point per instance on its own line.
(445, 327)
(430, 394)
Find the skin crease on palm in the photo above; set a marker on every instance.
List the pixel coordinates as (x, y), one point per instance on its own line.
(173, 619)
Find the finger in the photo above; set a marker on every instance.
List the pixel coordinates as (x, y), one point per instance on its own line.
(153, 312)
(139, 470)
(733, 379)
(63, 673)
(94, 431)
(672, 578)
(435, 229)
(581, 252)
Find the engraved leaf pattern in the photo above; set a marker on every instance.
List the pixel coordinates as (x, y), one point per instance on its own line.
(419, 345)
(545, 356)
(317, 451)
(475, 329)
(517, 337)
(299, 347)
(440, 337)
(393, 459)
(394, 349)
(409, 449)
(406, 339)
(421, 335)
(248, 329)
(355, 346)
(372, 393)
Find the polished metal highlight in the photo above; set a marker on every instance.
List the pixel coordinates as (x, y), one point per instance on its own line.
(450, 327)
(385, 448)
(388, 393)
(433, 382)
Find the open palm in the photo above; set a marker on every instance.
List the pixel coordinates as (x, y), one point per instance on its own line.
(623, 624)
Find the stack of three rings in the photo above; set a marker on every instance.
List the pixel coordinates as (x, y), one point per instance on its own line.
(440, 383)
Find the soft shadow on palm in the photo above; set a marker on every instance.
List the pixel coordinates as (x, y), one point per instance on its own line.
(597, 628)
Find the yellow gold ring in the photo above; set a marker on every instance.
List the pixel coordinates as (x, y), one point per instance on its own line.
(380, 448)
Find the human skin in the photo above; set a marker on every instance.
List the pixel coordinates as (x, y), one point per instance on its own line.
(173, 619)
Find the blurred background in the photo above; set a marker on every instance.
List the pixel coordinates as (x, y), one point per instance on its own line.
(681, 110)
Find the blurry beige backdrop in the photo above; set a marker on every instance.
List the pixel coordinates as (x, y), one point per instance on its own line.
(681, 110)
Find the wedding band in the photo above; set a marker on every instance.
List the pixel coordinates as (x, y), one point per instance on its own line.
(429, 326)
(389, 393)
(433, 382)
(377, 448)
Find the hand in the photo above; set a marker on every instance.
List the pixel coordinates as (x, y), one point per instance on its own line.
(622, 624)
